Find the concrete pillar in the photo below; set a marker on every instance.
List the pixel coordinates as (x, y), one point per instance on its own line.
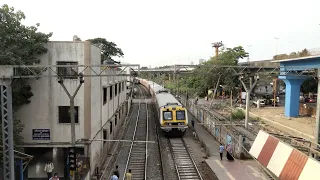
(292, 103)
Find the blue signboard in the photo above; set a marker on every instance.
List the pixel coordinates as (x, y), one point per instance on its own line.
(41, 134)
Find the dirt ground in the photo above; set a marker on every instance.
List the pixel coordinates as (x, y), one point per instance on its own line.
(306, 125)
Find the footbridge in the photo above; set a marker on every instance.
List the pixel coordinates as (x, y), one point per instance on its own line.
(293, 72)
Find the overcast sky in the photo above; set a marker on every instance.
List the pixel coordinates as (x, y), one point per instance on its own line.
(160, 32)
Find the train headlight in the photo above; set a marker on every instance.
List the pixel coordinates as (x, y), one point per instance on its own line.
(169, 124)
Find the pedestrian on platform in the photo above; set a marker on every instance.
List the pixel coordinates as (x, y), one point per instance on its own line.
(114, 176)
(128, 175)
(192, 123)
(116, 171)
(48, 168)
(229, 152)
(55, 177)
(221, 148)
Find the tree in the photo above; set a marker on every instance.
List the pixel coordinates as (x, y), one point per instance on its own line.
(205, 76)
(303, 53)
(19, 45)
(108, 49)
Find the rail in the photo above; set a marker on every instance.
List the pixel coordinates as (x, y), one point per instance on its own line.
(159, 142)
(186, 167)
(134, 156)
(118, 143)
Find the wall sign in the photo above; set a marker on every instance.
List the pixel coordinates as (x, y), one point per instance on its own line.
(41, 134)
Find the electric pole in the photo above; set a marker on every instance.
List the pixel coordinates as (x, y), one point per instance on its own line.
(248, 92)
(73, 165)
(248, 60)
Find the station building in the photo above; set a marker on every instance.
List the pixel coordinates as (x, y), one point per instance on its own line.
(100, 105)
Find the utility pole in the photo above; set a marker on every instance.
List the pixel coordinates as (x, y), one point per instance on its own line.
(248, 60)
(72, 115)
(274, 91)
(7, 122)
(217, 45)
(215, 91)
(248, 92)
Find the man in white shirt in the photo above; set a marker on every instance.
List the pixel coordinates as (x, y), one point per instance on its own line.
(49, 168)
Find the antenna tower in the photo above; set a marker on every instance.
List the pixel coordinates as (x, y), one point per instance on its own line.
(217, 45)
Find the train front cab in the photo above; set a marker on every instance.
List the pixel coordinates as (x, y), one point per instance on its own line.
(174, 119)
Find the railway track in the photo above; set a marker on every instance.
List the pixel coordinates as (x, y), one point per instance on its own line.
(138, 153)
(134, 155)
(185, 166)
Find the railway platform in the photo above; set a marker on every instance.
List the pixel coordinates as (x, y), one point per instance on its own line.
(226, 170)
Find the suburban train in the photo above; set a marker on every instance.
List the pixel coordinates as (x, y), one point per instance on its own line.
(173, 116)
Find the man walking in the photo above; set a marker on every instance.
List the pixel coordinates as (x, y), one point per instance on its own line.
(114, 176)
(128, 175)
(48, 168)
(116, 172)
(221, 148)
(192, 123)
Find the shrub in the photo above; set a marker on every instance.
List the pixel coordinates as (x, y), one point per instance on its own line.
(238, 114)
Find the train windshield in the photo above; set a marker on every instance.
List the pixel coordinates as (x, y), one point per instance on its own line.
(181, 115)
(167, 115)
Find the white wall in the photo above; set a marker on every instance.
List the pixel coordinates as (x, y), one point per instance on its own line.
(42, 112)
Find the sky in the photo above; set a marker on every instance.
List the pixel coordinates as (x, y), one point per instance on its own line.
(165, 32)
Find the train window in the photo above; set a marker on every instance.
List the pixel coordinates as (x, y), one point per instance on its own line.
(167, 115)
(181, 115)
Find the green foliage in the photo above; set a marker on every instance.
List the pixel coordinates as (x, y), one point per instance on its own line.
(238, 114)
(206, 75)
(309, 86)
(19, 45)
(302, 53)
(108, 49)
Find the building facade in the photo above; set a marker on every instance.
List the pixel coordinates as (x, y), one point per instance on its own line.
(100, 106)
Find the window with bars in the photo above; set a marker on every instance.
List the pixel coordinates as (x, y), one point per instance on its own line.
(104, 136)
(115, 90)
(64, 114)
(110, 127)
(104, 96)
(110, 92)
(68, 72)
